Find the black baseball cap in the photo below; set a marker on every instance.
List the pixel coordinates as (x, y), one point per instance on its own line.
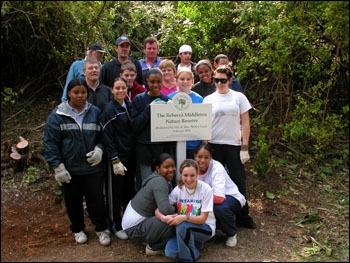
(96, 47)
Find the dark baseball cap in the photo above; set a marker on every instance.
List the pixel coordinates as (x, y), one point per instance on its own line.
(96, 47)
(122, 39)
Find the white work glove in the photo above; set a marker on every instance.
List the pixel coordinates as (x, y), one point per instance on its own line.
(118, 167)
(62, 175)
(158, 101)
(244, 155)
(95, 156)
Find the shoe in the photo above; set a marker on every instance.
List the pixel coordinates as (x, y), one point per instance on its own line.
(231, 241)
(104, 237)
(80, 238)
(248, 224)
(150, 252)
(121, 234)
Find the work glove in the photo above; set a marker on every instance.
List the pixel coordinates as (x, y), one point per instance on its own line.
(158, 101)
(244, 155)
(95, 156)
(62, 175)
(118, 167)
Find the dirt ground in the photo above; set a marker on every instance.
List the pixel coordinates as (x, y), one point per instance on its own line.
(35, 227)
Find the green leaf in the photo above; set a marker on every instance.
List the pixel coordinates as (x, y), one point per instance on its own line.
(270, 195)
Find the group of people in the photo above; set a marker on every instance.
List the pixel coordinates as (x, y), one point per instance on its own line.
(98, 144)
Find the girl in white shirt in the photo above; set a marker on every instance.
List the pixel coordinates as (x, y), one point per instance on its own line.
(195, 222)
(230, 133)
(228, 201)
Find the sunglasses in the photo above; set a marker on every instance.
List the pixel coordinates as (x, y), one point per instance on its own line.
(221, 80)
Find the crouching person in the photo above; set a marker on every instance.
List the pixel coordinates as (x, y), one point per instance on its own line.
(195, 222)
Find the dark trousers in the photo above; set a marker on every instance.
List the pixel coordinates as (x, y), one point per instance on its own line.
(152, 231)
(229, 157)
(90, 186)
(123, 190)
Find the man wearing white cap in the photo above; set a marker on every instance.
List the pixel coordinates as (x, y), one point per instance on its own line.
(185, 54)
(94, 51)
(111, 70)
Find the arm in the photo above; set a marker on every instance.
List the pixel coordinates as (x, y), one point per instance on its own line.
(161, 196)
(70, 76)
(218, 199)
(109, 132)
(174, 220)
(141, 115)
(52, 141)
(245, 128)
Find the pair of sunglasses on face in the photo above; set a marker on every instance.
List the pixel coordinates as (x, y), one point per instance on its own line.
(223, 81)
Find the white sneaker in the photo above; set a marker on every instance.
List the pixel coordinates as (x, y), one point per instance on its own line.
(104, 237)
(231, 241)
(80, 238)
(121, 234)
(151, 252)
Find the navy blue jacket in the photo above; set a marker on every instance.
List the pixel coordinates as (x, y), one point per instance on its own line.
(68, 143)
(117, 130)
(141, 121)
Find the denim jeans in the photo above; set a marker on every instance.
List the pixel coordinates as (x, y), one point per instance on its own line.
(225, 214)
(188, 242)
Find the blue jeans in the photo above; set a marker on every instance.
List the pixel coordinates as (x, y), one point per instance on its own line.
(188, 242)
(225, 214)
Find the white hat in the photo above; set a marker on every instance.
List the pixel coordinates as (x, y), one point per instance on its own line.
(185, 48)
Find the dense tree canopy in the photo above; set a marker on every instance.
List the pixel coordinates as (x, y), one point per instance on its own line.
(292, 57)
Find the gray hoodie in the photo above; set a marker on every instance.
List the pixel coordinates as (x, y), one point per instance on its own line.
(153, 194)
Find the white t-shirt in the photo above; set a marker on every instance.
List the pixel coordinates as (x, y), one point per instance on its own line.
(220, 182)
(200, 201)
(131, 217)
(226, 116)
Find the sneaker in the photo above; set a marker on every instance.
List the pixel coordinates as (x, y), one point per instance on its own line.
(104, 237)
(151, 252)
(80, 238)
(121, 234)
(231, 241)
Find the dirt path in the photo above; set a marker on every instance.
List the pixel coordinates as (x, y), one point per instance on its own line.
(34, 227)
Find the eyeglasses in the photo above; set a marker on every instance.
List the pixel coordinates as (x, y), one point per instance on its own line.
(223, 81)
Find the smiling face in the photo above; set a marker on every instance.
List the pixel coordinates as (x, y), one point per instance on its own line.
(204, 73)
(203, 158)
(168, 74)
(184, 81)
(222, 88)
(92, 72)
(167, 169)
(189, 177)
(154, 82)
(119, 91)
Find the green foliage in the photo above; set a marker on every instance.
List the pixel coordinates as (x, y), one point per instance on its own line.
(311, 129)
(10, 95)
(32, 175)
(291, 57)
(264, 161)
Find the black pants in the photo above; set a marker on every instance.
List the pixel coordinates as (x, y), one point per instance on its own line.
(229, 157)
(90, 186)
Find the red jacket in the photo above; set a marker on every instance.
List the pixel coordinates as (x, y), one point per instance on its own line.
(136, 89)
